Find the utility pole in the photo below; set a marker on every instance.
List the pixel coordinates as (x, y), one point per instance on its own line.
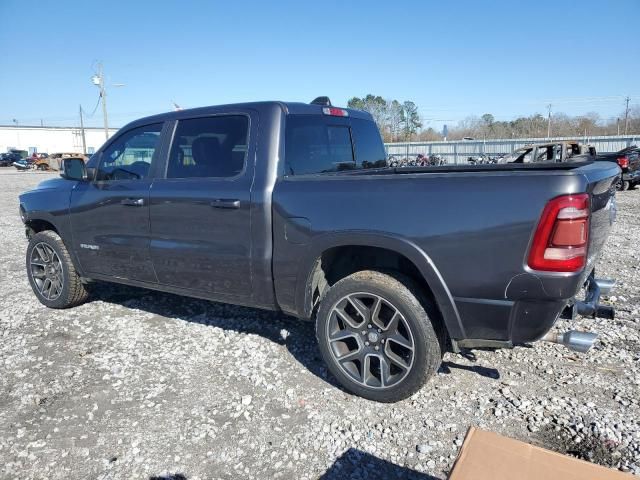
(84, 141)
(618, 124)
(98, 80)
(549, 121)
(626, 115)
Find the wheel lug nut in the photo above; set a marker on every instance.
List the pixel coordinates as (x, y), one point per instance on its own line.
(379, 330)
(377, 347)
(366, 343)
(364, 332)
(369, 326)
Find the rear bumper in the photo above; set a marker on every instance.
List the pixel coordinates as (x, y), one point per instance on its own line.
(506, 323)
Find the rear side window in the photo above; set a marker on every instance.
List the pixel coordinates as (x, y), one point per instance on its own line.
(313, 145)
(369, 147)
(209, 147)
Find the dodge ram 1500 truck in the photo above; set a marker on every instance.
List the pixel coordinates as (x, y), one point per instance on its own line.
(292, 207)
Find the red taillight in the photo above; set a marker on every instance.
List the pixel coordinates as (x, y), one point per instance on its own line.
(560, 241)
(336, 112)
(623, 162)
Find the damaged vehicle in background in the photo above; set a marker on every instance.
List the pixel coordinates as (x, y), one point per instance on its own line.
(567, 151)
(291, 207)
(628, 159)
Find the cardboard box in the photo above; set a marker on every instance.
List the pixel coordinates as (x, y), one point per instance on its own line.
(489, 456)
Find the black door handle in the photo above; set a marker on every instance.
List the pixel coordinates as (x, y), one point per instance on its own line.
(133, 202)
(225, 203)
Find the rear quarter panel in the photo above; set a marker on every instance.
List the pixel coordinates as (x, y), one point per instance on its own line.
(474, 227)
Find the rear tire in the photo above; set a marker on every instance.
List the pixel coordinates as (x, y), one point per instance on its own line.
(378, 335)
(622, 185)
(51, 272)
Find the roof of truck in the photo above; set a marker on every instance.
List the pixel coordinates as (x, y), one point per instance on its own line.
(296, 108)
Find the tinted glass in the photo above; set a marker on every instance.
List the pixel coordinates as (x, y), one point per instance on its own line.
(314, 146)
(209, 147)
(130, 156)
(369, 147)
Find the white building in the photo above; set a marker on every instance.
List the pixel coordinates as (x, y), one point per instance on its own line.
(51, 139)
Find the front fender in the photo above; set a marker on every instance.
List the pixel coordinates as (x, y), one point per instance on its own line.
(49, 203)
(400, 245)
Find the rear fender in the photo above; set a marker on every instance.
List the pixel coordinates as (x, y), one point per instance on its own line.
(402, 246)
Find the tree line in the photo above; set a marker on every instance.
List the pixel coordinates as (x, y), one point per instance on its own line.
(401, 121)
(396, 120)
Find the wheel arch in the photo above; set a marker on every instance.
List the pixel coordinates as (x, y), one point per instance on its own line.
(331, 248)
(37, 225)
(40, 221)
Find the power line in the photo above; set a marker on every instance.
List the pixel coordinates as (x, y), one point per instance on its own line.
(95, 108)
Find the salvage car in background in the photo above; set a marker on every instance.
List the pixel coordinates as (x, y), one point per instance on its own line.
(628, 159)
(52, 162)
(7, 159)
(567, 151)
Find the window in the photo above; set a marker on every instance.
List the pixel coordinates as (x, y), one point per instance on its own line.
(369, 147)
(546, 154)
(313, 145)
(130, 156)
(209, 147)
(522, 155)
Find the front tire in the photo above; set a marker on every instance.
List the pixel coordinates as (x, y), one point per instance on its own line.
(377, 334)
(51, 272)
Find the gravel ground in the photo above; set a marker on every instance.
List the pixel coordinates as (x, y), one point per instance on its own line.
(138, 384)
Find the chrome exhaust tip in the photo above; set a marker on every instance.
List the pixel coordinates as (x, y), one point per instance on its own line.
(573, 340)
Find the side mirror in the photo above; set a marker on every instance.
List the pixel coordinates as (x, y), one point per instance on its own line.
(73, 169)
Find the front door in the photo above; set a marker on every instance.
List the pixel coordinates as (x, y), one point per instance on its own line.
(110, 215)
(201, 212)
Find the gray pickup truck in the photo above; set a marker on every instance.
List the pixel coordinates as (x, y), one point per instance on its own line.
(291, 207)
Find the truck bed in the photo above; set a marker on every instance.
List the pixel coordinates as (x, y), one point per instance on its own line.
(470, 225)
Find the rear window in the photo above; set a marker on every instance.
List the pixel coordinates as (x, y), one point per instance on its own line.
(316, 144)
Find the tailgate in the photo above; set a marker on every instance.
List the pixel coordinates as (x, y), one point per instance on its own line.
(601, 178)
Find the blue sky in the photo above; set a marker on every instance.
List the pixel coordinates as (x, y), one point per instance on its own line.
(452, 58)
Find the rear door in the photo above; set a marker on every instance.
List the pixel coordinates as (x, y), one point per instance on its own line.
(110, 215)
(200, 212)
